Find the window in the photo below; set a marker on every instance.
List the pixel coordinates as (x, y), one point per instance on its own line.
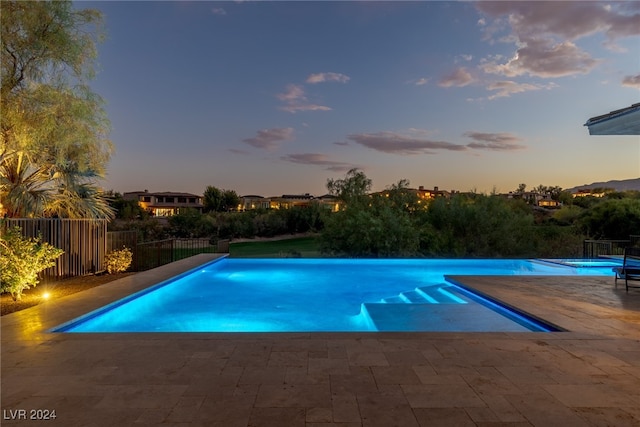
(182, 200)
(146, 199)
(160, 199)
(164, 212)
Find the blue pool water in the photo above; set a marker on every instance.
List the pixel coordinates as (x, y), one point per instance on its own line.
(307, 295)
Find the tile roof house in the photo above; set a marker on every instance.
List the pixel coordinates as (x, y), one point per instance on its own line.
(165, 203)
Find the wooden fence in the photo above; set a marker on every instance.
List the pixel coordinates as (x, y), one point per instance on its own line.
(82, 240)
(86, 242)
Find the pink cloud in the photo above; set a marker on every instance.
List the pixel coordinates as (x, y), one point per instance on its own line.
(506, 88)
(397, 143)
(459, 77)
(295, 100)
(542, 58)
(328, 77)
(270, 139)
(319, 160)
(632, 81)
(501, 141)
(545, 33)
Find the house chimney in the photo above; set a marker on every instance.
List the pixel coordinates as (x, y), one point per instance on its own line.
(421, 188)
(435, 188)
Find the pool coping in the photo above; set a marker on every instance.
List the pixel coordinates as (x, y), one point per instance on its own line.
(355, 378)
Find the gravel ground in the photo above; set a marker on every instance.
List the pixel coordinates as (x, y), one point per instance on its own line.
(56, 289)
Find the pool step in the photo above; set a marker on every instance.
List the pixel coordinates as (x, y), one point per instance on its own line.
(425, 295)
(405, 317)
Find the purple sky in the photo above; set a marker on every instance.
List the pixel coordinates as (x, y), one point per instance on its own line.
(275, 97)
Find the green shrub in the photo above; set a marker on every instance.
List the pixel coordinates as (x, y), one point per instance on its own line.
(118, 261)
(21, 259)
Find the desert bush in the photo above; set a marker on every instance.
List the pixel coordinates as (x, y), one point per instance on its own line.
(118, 261)
(21, 259)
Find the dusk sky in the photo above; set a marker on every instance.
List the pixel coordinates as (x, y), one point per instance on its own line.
(274, 98)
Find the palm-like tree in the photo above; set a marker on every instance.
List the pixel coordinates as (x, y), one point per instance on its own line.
(53, 128)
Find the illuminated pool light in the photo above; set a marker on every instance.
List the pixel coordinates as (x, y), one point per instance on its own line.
(323, 295)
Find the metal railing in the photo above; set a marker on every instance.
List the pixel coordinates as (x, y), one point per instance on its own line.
(149, 255)
(596, 248)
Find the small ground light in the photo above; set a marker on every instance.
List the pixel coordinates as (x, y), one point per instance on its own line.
(46, 295)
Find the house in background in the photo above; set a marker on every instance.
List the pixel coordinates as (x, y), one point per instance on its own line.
(252, 201)
(287, 201)
(589, 193)
(535, 198)
(425, 194)
(166, 203)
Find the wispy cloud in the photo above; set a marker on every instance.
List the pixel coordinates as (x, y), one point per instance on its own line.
(328, 77)
(494, 141)
(237, 151)
(464, 57)
(398, 143)
(218, 11)
(506, 88)
(295, 97)
(270, 139)
(296, 100)
(319, 160)
(415, 141)
(459, 77)
(631, 81)
(419, 82)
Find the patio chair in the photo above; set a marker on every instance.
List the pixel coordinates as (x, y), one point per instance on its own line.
(630, 270)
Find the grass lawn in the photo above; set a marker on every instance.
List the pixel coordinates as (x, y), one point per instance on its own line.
(305, 247)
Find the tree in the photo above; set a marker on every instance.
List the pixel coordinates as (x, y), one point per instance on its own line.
(217, 200)
(212, 199)
(377, 225)
(352, 189)
(230, 200)
(479, 226)
(127, 209)
(191, 223)
(53, 128)
(612, 219)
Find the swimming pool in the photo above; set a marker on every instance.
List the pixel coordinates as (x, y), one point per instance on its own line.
(322, 295)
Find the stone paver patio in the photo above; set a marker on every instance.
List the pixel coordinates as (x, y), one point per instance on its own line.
(588, 376)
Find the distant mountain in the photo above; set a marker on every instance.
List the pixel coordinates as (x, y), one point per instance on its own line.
(623, 185)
